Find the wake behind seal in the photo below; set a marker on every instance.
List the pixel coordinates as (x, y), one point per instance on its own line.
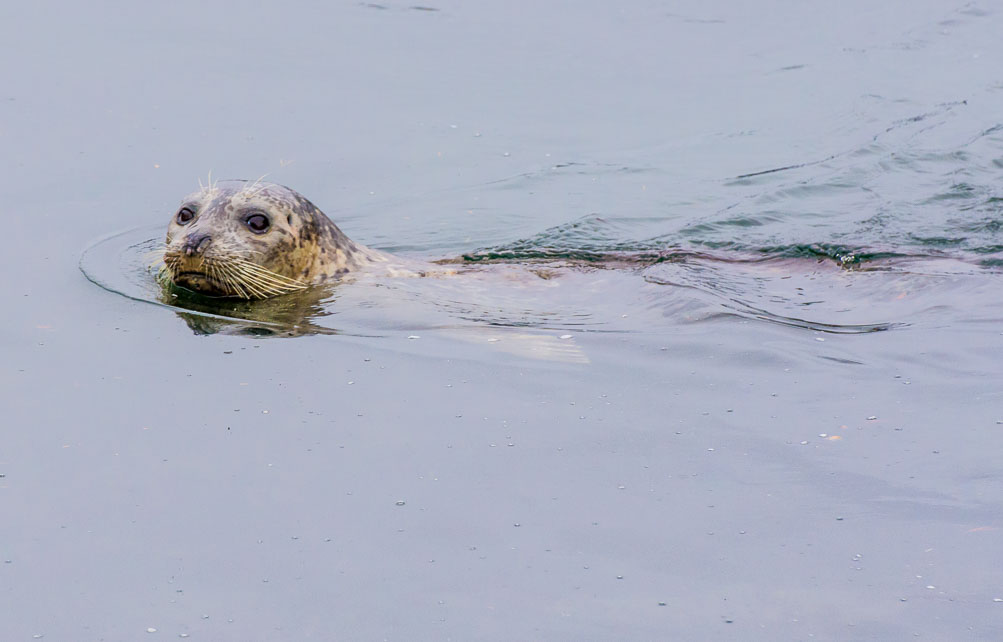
(255, 240)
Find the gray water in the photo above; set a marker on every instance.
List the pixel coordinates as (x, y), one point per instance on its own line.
(758, 395)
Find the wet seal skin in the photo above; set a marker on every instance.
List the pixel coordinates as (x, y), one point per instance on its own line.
(255, 240)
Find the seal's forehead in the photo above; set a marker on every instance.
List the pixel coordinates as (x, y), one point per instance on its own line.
(243, 192)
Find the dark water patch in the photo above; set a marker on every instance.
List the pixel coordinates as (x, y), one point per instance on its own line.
(958, 191)
(840, 254)
(939, 241)
(741, 178)
(704, 229)
(743, 309)
(848, 362)
(384, 7)
(594, 239)
(589, 239)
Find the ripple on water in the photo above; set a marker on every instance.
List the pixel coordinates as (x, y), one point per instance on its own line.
(893, 228)
(606, 284)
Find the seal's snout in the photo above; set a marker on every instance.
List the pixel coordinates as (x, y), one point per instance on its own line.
(196, 243)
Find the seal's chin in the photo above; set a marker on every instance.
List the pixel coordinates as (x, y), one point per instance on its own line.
(201, 283)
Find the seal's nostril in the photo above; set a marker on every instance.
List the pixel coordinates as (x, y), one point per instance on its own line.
(196, 243)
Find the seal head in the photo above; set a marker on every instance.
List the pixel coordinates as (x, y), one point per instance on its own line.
(256, 240)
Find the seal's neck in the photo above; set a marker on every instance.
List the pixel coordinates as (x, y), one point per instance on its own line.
(337, 254)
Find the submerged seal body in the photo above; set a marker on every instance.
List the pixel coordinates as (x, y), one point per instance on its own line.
(255, 240)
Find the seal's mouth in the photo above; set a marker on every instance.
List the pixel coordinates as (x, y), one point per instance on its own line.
(201, 283)
(228, 276)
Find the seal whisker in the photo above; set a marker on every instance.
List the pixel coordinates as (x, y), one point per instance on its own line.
(259, 289)
(237, 287)
(270, 283)
(225, 280)
(270, 287)
(254, 188)
(252, 280)
(154, 258)
(172, 262)
(163, 275)
(275, 283)
(263, 271)
(214, 273)
(253, 289)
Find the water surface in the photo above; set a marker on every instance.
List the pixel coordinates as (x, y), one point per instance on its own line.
(757, 394)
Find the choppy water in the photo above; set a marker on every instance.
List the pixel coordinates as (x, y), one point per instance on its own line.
(904, 228)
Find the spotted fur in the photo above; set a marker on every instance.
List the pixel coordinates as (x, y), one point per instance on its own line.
(217, 254)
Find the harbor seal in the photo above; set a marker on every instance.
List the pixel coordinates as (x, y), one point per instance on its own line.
(255, 240)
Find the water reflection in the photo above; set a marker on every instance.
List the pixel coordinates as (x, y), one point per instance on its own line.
(291, 315)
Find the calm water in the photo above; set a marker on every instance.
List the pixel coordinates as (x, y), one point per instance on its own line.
(757, 395)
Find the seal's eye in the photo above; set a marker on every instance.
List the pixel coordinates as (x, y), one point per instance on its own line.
(257, 223)
(185, 215)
